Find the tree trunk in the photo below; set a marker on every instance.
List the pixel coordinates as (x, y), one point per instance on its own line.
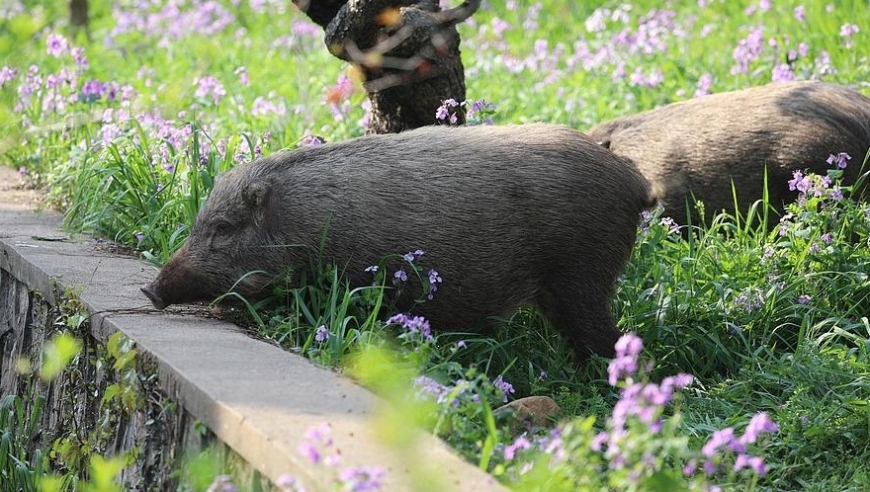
(78, 15)
(408, 52)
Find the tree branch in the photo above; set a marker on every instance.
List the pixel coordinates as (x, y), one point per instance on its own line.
(320, 11)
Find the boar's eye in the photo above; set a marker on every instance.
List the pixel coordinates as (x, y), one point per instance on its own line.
(219, 233)
(223, 227)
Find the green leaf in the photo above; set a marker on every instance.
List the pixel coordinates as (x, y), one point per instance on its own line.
(57, 354)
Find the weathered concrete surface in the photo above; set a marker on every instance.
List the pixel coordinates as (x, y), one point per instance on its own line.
(257, 398)
(14, 195)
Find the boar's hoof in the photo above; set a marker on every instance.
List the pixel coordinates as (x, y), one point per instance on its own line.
(153, 297)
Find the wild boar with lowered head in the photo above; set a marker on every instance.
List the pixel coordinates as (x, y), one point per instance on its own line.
(698, 147)
(534, 214)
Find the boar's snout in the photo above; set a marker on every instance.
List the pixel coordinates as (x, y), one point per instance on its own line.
(152, 295)
(180, 281)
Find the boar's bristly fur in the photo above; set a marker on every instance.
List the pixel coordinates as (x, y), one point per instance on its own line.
(697, 147)
(534, 214)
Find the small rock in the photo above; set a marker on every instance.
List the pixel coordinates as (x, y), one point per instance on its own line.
(532, 411)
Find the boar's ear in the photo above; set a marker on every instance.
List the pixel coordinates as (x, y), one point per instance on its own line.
(254, 194)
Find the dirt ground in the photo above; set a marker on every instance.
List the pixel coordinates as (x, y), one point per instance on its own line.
(13, 194)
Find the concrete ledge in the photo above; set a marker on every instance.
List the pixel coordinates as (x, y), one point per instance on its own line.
(257, 398)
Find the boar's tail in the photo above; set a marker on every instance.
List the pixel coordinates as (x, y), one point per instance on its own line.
(655, 196)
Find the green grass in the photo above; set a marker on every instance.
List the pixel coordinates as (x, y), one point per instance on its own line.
(764, 321)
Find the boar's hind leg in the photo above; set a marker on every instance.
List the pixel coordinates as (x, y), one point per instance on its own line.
(583, 321)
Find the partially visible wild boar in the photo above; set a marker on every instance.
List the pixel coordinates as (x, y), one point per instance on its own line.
(697, 147)
(536, 214)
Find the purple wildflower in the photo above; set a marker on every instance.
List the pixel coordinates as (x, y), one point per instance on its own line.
(597, 22)
(7, 74)
(750, 300)
(434, 280)
(704, 83)
(654, 394)
(302, 28)
(847, 31)
(499, 26)
(221, 483)
(689, 468)
(53, 81)
(443, 112)
(628, 347)
(803, 50)
(638, 78)
(244, 79)
(309, 140)
(824, 182)
(720, 439)
(322, 334)
(371, 269)
(362, 479)
(319, 433)
(413, 324)
(823, 64)
(289, 483)
(671, 224)
(598, 441)
(782, 73)
(316, 440)
(754, 462)
(784, 222)
(80, 58)
(139, 237)
(803, 299)
(800, 13)
(748, 49)
(842, 159)
(519, 444)
(263, 107)
(425, 384)
(413, 255)
(400, 276)
(310, 451)
(209, 87)
(92, 90)
(645, 220)
(477, 106)
(164, 159)
(679, 381)
(505, 387)
(172, 20)
(759, 423)
(800, 182)
(56, 44)
(480, 112)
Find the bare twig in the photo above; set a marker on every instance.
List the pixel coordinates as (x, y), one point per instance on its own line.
(457, 14)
